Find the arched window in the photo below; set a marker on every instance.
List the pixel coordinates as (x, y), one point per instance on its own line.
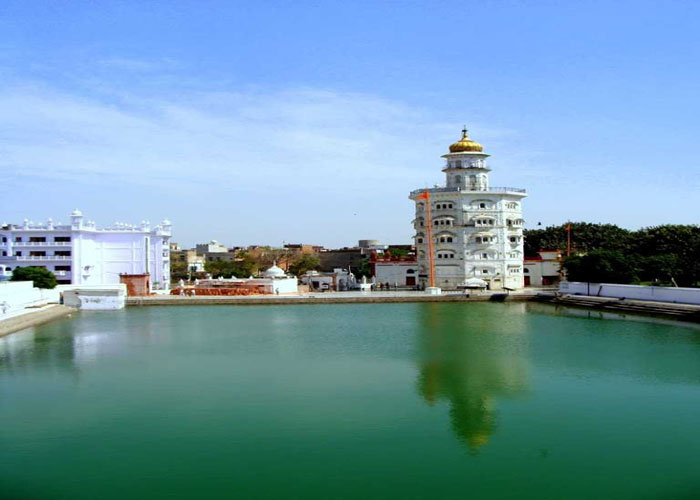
(458, 180)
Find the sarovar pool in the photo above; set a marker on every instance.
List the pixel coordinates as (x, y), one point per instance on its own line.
(392, 401)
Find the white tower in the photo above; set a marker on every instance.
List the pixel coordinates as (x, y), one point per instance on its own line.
(476, 229)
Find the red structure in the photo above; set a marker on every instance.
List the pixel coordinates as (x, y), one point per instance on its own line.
(137, 285)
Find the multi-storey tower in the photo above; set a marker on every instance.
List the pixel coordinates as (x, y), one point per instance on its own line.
(476, 229)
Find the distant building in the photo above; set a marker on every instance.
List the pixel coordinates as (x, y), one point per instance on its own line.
(396, 271)
(337, 280)
(79, 253)
(343, 258)
(212, 247)
(273, 281)
(477, 230)
(544, 270)
(371, 245)
(302, 248)
(194, 262)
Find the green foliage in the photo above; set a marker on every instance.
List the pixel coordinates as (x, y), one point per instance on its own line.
(242, 267)
(364, 269)
(659, 254)
(304, 262)
(397, 252)
(178, 271)
(42, 278)
(586, 237)
(600, 266)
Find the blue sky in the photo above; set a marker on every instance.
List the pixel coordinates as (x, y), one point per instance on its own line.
(271, 122)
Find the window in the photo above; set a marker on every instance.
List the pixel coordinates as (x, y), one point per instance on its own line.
(62, 239)
(18, 254)
(420, 240)
(482, 205)
(62, 253)
(18, 238)
(484, 256)
(4, 239)
(37, 254)
(484, 271)
(4, 253)
(37, 239)
(458, 164)
(62, 268)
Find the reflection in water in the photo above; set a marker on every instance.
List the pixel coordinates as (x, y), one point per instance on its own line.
(470, 359)
(47, 346)
(575, 312)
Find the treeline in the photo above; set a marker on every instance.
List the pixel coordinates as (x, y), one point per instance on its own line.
(246, 265)
(668, 254)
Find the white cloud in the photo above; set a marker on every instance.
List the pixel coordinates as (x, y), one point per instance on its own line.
(284, 138)
(341, 165)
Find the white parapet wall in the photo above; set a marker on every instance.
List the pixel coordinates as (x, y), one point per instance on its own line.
(18, 295)
(636, 292)
(94, 297)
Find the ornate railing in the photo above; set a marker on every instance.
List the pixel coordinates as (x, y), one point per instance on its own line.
(416, 192)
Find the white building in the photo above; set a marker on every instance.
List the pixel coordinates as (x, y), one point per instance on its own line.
(544, 270)
(477, 230)
(212, 247)
(396, 271)
(81, 254)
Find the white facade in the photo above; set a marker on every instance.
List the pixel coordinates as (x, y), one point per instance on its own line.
(212, 247)
(675, 295)
(544, 270)
(396, 273)
(477, 230)
(81, 254)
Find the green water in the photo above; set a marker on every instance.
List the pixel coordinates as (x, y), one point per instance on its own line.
(350, 401)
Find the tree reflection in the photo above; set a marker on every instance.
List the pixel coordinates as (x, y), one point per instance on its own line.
(471, 356)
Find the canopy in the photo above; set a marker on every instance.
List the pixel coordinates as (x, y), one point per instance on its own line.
(474, 283)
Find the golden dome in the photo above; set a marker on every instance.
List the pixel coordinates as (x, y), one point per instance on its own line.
(465, 144)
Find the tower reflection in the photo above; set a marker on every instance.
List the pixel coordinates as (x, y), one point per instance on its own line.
(471, 356)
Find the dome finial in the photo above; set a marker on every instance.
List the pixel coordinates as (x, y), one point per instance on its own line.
(465, 144)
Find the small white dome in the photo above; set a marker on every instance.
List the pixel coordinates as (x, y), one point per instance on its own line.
(274, 272)
(76, 212)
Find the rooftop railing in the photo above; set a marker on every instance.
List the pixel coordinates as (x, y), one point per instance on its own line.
(416, 192)
(42, 243)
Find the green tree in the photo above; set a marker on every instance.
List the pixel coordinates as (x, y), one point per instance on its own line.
(242, 267)
(42, 278)
(303, 263)
(178, 271)
(585, 237)
(397, 252)
(364, 269)
(600, 266)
